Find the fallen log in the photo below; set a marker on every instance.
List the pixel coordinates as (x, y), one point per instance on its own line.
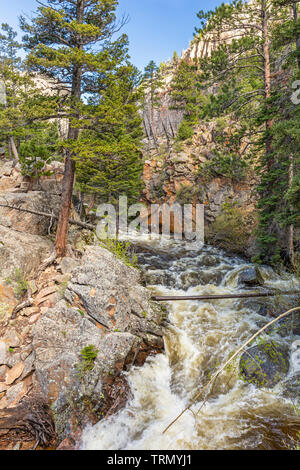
(50, 216)
(221, 296)
(30, 421)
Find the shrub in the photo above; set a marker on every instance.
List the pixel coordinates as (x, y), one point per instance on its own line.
(230, 230)
(19, 282)
(228, 166)
(185, 131)
(186, 194)
(122, 251)
(88, 356)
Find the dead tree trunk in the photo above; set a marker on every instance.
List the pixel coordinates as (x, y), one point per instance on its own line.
(30, 421)
(73, 134)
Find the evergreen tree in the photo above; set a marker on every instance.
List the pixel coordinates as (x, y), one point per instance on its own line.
(108, 157)
(280, 202)
(241, 64)
(19, 126)
(10, 65)
(68, 40)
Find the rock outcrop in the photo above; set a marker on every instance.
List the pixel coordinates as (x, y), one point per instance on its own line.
(250, 277)
(104, 306)
(265, 365)
(23, 245)
(176, 176)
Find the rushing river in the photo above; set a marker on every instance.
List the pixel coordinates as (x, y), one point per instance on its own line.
(200, 337)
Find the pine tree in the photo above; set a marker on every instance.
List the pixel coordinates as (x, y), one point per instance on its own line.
(108, 157)
(10, 65)
(68, 40)
(284, 196)
(241, 64)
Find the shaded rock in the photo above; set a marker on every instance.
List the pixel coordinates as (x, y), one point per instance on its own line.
(265, 365)
(33, 200)
(260, 307)
(291, 387)
(289, 326)
(19, 250)
(250, 277)
(295, 357)
(26, 352)
(28, 365)
(190, 279)
(15, 393)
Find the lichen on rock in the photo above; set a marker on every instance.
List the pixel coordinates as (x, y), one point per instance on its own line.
(104, 305)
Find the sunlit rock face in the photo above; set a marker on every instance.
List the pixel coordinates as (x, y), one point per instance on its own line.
(105, 306)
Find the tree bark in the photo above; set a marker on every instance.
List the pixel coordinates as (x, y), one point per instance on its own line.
(66, 200)
(30, 421)
(220, 297)
(14, 148)
(69, 174)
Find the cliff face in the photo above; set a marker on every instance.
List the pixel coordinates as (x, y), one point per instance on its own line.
(178, 176)
(175, 171)
(160, 125)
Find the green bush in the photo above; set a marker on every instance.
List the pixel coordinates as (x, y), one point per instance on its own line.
(230, 230)
(19, 282)
(186, 194)
(88, 356)
(121, 250)
(185, 131)
(228, 166)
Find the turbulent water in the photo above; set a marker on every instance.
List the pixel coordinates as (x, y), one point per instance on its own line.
(200, 337)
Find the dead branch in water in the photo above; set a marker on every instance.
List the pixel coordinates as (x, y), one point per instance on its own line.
(227, 363)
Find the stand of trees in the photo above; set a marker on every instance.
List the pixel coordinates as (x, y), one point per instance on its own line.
(76, 46)
(246, 73)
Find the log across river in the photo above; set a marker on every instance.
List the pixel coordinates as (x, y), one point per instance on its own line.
(201, 336)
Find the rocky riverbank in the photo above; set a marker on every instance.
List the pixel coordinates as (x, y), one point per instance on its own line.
(89, 301)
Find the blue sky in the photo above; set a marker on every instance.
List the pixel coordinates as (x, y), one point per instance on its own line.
(156, 28)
